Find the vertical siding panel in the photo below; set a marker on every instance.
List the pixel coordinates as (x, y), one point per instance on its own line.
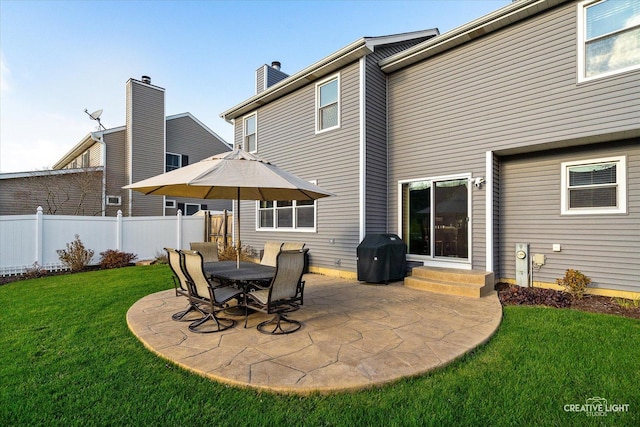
(146, 141)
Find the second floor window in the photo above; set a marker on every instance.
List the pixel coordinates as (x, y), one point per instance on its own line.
(609, 32)
(250, 134)
(328, 104)
(175, 161)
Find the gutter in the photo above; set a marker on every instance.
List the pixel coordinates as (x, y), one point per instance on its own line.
(507, 15)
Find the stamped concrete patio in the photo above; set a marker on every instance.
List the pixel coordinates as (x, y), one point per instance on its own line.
(354, 336)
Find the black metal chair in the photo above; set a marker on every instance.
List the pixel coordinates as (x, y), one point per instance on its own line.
(182, 286)
(284, 295)
(215, 298)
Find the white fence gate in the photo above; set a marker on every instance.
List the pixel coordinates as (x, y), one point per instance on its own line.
(27, 239)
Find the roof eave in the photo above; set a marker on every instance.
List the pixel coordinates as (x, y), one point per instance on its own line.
(325, 66)
(480, 27)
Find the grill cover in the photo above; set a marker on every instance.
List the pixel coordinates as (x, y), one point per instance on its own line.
(381, 258)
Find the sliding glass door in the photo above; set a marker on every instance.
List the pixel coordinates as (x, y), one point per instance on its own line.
(435, 217)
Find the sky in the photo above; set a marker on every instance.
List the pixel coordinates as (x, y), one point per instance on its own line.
(58, 58)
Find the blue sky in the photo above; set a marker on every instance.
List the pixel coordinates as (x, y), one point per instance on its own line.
(60, 57)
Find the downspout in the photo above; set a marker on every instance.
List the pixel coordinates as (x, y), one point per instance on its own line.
(363, 150)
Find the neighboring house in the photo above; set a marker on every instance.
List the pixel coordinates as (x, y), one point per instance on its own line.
(147, 145)
(520, 127)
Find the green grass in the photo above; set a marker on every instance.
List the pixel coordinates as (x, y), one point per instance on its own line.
(67, 358)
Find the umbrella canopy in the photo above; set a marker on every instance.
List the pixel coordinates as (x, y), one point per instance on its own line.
(232, 175)
(235, 175)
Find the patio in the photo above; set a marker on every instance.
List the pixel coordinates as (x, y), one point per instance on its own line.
(354, 336)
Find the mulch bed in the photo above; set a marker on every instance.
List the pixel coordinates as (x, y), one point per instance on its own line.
(516, 295)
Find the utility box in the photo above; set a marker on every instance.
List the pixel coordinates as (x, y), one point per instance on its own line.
(522, 264)
(381, 258)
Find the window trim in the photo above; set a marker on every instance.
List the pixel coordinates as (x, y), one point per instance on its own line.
(170, 204)
(581, 23)
(317, 106)
(118, 201)
(621, 185)
(244, 131)
(294, 207)
(172, 154)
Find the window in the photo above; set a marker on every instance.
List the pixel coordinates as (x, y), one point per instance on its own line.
(435, 217)
(287, 214)
(170, 204)
(114, 200)
(594, 187)
(328, 104)
(250, 134)
(175, 161)
(86, 159)
(608, 37)
(191, 208)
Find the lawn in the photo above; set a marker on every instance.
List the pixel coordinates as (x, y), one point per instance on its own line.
(67, 358)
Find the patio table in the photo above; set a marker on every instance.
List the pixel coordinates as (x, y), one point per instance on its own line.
(242, 278)
(248, 271)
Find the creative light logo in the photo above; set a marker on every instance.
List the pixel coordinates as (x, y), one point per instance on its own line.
(596, 407)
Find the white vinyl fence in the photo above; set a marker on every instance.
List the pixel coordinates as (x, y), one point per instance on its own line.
(27, 239)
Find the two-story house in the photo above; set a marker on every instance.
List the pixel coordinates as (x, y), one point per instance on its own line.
(326, 124)
(88, 179)
(507, 145)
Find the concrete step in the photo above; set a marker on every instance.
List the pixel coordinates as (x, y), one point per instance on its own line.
(451, 281)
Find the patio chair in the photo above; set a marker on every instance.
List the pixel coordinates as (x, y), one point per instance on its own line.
(292, 246)
(271, 251)
(181, 285)
(209, 250)
(284, 295)
(216, 298)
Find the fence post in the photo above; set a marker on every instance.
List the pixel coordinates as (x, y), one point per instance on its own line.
(119, 230)
(39, 225)
(179, 229)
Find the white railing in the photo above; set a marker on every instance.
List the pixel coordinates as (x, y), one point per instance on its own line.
(29, 239)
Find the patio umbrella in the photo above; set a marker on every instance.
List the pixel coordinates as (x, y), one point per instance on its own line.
(235, 175)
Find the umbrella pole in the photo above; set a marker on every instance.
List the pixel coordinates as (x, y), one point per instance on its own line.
(238, 242)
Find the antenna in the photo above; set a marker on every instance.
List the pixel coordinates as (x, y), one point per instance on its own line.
(96, 116)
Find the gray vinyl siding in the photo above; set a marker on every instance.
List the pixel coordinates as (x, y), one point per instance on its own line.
(116, 172)
(376, 188)
(185, 136)
(604, 247)
(512, 89)
(145, 139)
(260, 79)
(274, 76)
(286, 136)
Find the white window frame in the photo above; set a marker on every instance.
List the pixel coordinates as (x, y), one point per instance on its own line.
(321, 83)
(186, 205)
(244, 131)
(170, 203)
(621, 185)
(582, 32)
(172, 154)
(294, 207)
(113, 200)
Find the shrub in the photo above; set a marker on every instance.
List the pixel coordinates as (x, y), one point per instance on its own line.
(229, 253)
(34, 272)
(115, 259)
(76, 257)
(161, 258)
(574, 282)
